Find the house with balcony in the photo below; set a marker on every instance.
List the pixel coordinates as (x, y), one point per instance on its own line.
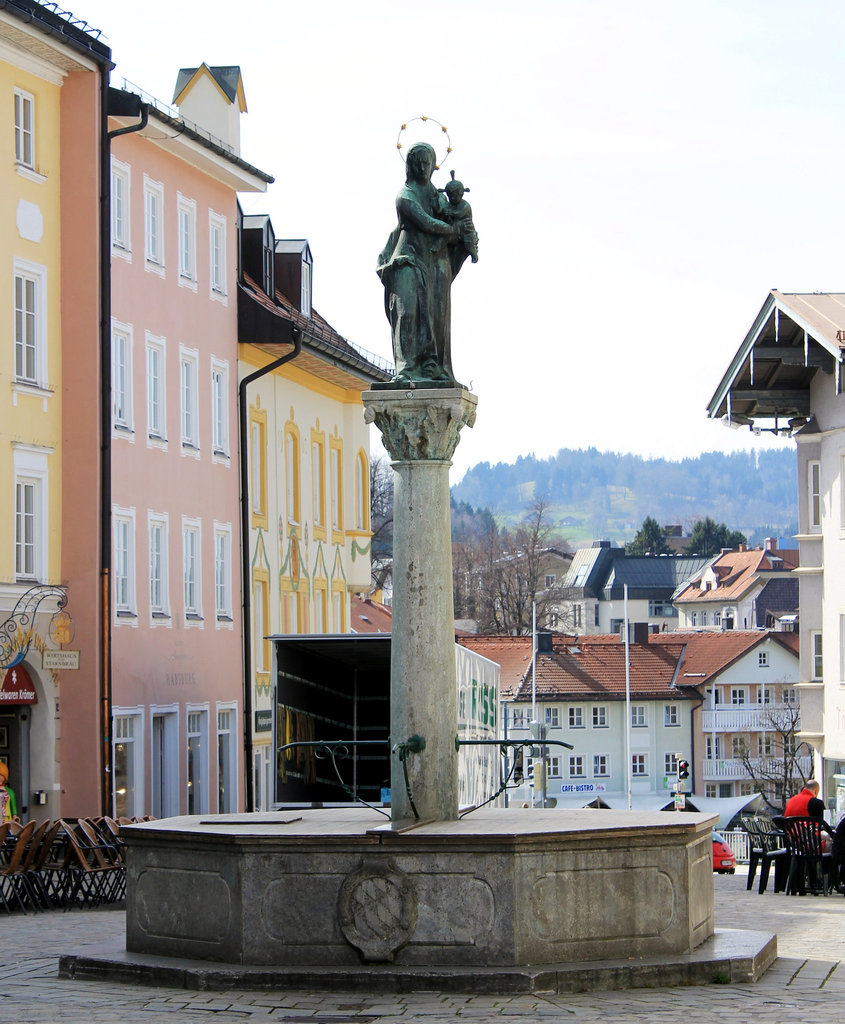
(591, 596)
(786, 378)
(578, 692)
(746, 729)
(742, 590)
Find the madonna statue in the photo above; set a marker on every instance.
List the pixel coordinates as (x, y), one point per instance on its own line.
(417, 266)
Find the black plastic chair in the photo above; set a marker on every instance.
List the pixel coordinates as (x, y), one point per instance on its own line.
(811, 865)
(767, 846)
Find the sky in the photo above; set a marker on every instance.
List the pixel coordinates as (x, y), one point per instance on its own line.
(641, 174)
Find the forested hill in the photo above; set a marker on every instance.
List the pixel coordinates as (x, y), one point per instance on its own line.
(605, 495)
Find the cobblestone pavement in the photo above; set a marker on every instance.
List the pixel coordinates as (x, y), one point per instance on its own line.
(805, 984)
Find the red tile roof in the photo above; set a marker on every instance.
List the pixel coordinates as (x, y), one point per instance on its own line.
(578, 668)
(736, 571)
(709, 653)
(368, 616)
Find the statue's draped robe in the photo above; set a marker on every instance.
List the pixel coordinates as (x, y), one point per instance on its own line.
(417, 267)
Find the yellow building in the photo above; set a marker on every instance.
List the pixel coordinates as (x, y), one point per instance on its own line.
(307, 472)
(53, 75)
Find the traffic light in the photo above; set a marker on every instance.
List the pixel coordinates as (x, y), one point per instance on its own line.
(683, 769)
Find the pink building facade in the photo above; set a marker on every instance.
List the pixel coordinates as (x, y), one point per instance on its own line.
(176, 711)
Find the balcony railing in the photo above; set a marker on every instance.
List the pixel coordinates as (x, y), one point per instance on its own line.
(757, 718)
(733, 768)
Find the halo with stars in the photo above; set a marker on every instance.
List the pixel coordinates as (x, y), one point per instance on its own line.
(424, 129)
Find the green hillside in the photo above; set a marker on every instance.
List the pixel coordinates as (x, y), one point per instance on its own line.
(606, 495)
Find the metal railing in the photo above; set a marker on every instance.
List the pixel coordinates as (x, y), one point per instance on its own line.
(758, 718)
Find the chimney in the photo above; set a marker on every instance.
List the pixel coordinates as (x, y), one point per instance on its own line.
(544, 641)
(770, 544)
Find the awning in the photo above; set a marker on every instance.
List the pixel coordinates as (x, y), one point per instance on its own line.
(17, 687)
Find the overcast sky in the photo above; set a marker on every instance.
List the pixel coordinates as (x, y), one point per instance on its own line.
(641, 175)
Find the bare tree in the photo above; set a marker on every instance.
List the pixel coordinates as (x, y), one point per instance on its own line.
(776, 768)
(381, 520)
(499, 573)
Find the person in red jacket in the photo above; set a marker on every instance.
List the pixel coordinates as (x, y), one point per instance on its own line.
(805, 804)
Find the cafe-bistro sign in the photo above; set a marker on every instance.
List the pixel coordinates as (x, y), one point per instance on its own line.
(17, 687)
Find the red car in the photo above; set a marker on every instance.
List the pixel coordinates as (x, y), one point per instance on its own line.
(724, 859)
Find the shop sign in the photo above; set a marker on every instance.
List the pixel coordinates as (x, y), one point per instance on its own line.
(17, 687)
(58, 660)
(264, 720)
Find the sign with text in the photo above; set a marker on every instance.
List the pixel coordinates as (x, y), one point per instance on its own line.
(263, 720)
(58, 660)
(17, 687)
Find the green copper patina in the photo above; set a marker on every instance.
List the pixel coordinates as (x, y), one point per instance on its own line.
(423, 255)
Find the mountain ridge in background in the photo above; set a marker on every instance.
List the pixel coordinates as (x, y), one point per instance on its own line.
(606, 495)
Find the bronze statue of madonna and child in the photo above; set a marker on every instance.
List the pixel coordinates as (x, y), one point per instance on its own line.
(423, 255)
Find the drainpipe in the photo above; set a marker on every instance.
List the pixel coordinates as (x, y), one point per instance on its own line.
(105, 434)
(246, 588)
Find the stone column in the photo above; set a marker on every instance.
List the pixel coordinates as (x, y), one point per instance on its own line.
(421, 430)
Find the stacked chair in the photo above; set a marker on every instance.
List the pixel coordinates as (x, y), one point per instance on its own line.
(68, 863)
(767, 846)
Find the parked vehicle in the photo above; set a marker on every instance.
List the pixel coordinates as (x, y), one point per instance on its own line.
(724, 859)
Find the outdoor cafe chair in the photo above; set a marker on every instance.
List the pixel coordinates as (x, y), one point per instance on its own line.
(767, 846)
(11, 879)
(811, 865)
(46, 873)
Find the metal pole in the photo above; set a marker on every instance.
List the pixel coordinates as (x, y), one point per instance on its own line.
(627, 697)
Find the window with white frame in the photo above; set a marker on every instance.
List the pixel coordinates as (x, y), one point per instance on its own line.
(600, 717)
(219, 408)
(762, 659)
(710, 789)
(187, 235)
(713, 748)
(764, 695)
(227, 761)
(159, 582)
(217, 254)
(362, 492)
(739, 747)
(671, 717)
(816, 664)
(601, 766)
(639, 765)
(188, 376)
(31, 503)
(577, 766)
(191, 568)
(154, 223)
(552, 717)
(128, 766)
(337, 487)
(576, 718)
(121, 349)
(670, 764)
(120, 187)
(790, 695)
(554, 767)
(156, 405)
(123, 570)
(25, 128)
(26, 528)
(520, 718)
(739, 696)
(223, 572)
(693, 618)
(197, 761)
(765, 745)
(305, 284)
(318, 482)
(30, 305)
(814, 494)
(639, 716)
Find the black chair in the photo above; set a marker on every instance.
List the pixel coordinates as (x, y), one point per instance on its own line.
(767, 846)
(811, 865)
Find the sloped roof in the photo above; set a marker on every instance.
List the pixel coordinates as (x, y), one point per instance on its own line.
(793, 337)
(737, 572)
(579, 669)
(368, 616)
(325, 353)
(710, 653)
(778, 597)
(651, 573)
(227, 77)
